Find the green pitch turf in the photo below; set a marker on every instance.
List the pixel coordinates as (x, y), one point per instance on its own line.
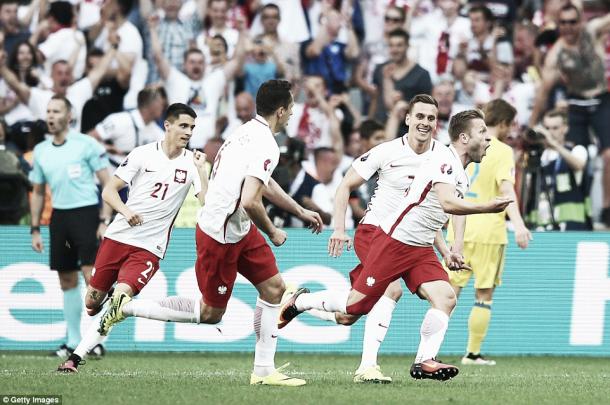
(199, 378)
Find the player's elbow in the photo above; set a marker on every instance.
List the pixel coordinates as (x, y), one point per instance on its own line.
(249, 204)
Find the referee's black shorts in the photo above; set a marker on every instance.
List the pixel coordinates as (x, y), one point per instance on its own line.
(73, 238)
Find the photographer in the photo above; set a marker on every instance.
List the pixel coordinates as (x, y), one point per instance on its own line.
(564, 167)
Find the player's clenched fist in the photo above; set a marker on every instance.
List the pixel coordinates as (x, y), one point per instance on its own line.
(278, 237)
(199, 159)
(132, 218)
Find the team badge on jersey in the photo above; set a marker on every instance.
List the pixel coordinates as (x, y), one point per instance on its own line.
(445, 168)
(266, 164)
(180, 176)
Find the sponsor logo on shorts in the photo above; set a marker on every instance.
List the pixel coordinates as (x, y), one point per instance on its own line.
(370, 281)
(180, 176)
(222, 290)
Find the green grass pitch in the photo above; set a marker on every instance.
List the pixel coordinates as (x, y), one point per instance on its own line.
(212, 378)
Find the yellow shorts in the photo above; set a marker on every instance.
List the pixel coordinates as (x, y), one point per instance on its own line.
(487, 263)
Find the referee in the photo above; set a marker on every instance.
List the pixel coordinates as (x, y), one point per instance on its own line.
(68, 163)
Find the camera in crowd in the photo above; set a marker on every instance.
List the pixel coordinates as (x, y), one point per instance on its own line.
(532, 142)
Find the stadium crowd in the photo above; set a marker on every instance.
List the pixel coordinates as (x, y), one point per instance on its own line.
(352, 64)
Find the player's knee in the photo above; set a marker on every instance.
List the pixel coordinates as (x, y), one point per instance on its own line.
(394, 292)
(273, 291)
(346, 319)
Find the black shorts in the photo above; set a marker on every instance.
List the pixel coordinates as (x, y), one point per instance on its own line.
(73, 238)
(582, 118)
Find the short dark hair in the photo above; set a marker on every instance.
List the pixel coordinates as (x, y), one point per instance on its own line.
(483, 9)
(498, 112)
(147, 95)
(557, 113)
(62, 12)
(369, 127)
(400, 33)
(66, 102)
(400, 10)
(190, 51)
(272, 95)
(461, 122)
(422, 98)
(95, 52)
(272, 6)
(175, 110)
(322, 149)
(568, 7)
(7, 2)
(125, 6)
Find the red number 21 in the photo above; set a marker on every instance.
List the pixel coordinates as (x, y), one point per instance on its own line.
(158, 187)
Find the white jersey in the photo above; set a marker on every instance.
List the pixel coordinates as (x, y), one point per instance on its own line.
(157, 188)
(420, 214)
(250, 151)
(397, 164)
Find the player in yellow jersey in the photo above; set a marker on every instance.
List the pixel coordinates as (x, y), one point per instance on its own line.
(485, 237)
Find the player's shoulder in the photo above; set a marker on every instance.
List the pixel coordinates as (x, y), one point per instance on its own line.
(501, 150)
(42, 146)
(82, 138)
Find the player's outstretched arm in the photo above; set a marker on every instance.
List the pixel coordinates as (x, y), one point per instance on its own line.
(110, 195)
(339, 238)
(252, 201)
(453, 205)
(274, 193)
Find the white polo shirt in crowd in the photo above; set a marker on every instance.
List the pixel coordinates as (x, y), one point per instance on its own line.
(78, 93)
(250, 151)
(397, 164)
(420, 215)
(127, 130)
(203, 96)
(60, 45)
(157, 188)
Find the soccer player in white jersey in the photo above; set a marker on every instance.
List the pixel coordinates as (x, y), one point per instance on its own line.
(159, 176)
(402, 246)
(395, 162)
(228, 237)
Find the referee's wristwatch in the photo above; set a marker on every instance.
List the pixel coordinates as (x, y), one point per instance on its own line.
(105, 221)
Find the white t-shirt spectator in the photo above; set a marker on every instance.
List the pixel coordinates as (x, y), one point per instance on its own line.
(203, 96)
(250, 151)
(78, 94)
(60, 45)
(126, 130)
(323, 195)
(311, 125)
(230, 35)
(20, 112)
(293, 24)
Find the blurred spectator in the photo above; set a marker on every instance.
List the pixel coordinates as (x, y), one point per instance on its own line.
(292, 26)
(217, 14)
(315, 121)
(121, 132)
(503, 11)
(175, 34)
(376, 52)
(12, 30)
(444, 94)
(479, 50)
(113, 22)
(63, 84)
(108, 96)
(519, 94)
(471, 91)
(14, 185)
(245, 110)
(264, 64)
(329, 178)
(525, 48)
(398, 79)
(63, 39)
(199, 89)
(325, 56)
(565, 167)
(575, 60)
(287, 52)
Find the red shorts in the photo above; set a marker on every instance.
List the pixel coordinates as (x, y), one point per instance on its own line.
(389, 259)
(362, 245)
(218, 264)
(122, 263)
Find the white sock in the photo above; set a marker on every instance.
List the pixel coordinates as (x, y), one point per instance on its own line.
(375, 329)
(432, 333)
(323, 315)
(176, 309)
(327, 300)
(91, 339)
(265, 327)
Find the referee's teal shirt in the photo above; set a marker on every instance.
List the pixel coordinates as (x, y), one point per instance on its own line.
(69, 169)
